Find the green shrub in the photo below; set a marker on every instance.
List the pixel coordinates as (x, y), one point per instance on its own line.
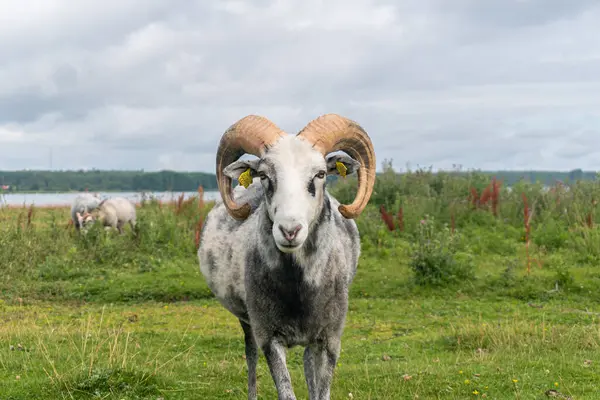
(436, 256)
(552, 234)
(586, 243)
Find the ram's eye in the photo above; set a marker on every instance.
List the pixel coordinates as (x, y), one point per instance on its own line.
(262, 175)
(321, 174)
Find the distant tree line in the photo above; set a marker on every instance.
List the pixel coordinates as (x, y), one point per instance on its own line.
(102, 180)
(509, 178)
(137, 181)
(546, 177)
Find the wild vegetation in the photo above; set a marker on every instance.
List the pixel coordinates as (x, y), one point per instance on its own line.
(466, 289)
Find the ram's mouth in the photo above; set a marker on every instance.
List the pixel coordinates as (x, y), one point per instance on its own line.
(288, 248)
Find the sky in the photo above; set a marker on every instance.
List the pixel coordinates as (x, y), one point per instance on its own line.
(148, 84)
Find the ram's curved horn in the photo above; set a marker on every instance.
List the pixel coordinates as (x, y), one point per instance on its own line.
(332, 132)
(252, 134)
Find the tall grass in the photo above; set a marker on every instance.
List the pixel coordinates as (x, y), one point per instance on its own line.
(44, 256)
(563, 216)
(41, 245)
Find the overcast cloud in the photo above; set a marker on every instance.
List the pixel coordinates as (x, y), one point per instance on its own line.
(131, 84)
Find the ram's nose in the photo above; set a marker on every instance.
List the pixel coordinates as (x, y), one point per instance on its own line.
(290, 232)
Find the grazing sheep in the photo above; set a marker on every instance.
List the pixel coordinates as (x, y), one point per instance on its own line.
(82, 204)
(281, 254)
(114, 213)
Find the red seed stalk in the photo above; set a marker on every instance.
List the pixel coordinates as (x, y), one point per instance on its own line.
(495, 196)
(179, 204)
(29, 215)
(485, 195)
(473, 197)
(387, 218)
(401, 219)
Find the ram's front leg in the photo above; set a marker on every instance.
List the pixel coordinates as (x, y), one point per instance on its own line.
(251, 359)
(309, 373)
(325, 355)
(276, 359)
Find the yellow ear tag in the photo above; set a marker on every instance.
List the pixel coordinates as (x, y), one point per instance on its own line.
(341, 168)
(245, 179)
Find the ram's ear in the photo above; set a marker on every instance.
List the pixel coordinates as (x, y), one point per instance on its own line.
(349, 163)
(235, 169)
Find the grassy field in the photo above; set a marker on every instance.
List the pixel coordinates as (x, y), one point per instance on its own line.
(477, 292)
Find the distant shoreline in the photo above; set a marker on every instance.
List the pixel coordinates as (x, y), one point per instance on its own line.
(62, 205)
(100, 191)
(61, 199)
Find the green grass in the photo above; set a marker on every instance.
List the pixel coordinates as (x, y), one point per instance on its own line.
(194, 350)
(123, 317)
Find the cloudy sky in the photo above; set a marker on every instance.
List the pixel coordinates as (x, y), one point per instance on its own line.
(130, 84)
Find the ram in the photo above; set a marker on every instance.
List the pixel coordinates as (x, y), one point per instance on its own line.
(113, 213)
(279, 252)
(82, 204)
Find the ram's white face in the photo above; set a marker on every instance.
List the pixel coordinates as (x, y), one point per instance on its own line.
(293, 176)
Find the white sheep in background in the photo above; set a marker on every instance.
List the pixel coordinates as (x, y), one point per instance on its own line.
(82, 204)
(281, 254)
(114, 213)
